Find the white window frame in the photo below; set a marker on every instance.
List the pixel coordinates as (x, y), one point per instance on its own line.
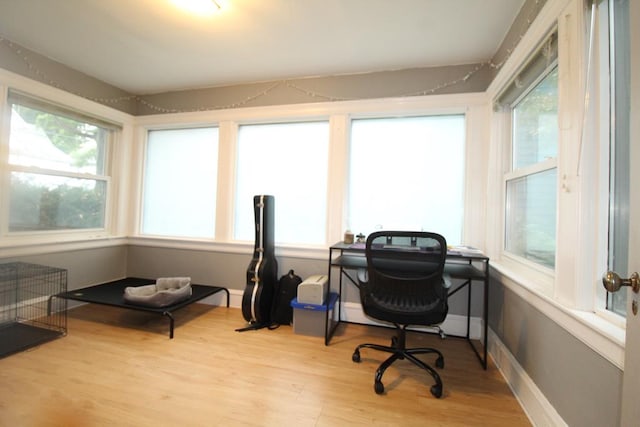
(339, 114)
(545, 275)
(103, 177)
(115, 225)
(569, 296)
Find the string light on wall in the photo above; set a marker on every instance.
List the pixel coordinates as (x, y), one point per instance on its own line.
(41, 76)
(238, 104)
(455, 82)
(313, 94)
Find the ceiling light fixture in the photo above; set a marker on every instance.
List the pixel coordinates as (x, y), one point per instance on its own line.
(199, 7)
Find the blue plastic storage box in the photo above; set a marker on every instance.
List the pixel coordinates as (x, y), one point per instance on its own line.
(309, 319)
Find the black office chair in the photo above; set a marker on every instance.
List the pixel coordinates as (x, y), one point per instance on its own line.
(404, 284)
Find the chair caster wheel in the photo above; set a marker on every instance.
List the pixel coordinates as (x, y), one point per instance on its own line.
(356, 356)
(378, 387)
(436, 391)
(440, 362)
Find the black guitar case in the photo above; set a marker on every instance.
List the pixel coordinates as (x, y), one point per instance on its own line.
(262, 274)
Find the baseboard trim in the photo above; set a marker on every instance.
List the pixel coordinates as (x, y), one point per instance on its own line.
(352, 312)
(534, 403)
(454, 324)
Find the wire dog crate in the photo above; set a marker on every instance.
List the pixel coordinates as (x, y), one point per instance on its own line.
(29, 316)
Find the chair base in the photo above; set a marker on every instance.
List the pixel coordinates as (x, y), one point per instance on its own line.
(399, 351)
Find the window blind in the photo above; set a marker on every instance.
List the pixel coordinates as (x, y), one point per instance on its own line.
(16, 97)
(544, 57)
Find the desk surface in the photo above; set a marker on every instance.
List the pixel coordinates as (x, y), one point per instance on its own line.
(459, 264)
(463, 253)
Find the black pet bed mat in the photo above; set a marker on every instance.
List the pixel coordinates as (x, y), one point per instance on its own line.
(112, 293)
(16, 337)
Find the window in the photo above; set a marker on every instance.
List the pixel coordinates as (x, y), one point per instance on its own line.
(564, 279)
(58, 168)
(530, 101)
(407, 174)
(180, 182)
(290, 162)
(531, 184)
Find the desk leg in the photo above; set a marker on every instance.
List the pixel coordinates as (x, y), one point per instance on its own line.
(469, 287)
(327, 332)
(329, 326)
(486, 312)
(485, 319)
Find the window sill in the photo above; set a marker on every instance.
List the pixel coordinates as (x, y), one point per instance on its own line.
(233, 247)
(601, 335)
(16, 247)
(526, 274)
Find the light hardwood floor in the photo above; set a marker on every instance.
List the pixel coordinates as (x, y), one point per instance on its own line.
(119, 368)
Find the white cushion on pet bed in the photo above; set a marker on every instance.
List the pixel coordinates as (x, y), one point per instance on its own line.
(166, 291)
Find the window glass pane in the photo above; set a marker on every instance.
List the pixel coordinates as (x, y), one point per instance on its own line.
(51, 141)
(180, 183)
(290, 162)
(619, 181)
(535, 124)
(48, 202)
(407, 174)
(52, 155)
(531, 217)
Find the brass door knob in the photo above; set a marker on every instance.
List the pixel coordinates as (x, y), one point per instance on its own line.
(613, 282)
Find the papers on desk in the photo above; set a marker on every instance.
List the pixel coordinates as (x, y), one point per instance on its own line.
(463, 250)
(451, 250)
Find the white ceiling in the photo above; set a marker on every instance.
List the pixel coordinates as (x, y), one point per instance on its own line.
(148, 46)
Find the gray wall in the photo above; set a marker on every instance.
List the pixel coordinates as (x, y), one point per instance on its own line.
(85, 267)
(22, 61)
(208, 267)
(419, 81)
(583, 387)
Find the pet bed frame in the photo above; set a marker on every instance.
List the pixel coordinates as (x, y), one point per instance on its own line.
(112, 293)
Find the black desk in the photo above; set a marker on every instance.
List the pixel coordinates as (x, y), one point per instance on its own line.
(470, 267)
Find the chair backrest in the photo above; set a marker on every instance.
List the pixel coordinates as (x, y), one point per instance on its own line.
(405, 277)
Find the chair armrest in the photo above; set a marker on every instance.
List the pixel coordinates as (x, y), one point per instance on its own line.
(363, 276)
(446, 279)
